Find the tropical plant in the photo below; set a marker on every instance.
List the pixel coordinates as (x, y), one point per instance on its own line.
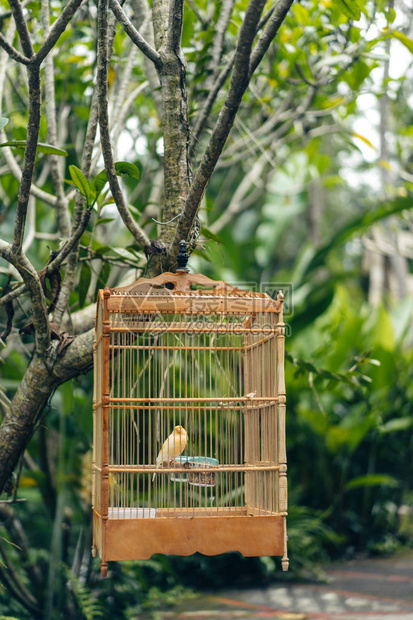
(127, 128)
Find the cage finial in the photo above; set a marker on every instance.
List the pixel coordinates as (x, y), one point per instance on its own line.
(182, 257)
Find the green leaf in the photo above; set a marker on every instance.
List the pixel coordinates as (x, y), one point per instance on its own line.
(208, 234)
(125, 167)
(399, 424)
(403, 39)
(100, 248)
(134, 210)
(100, 181)
(84, 283)
(124, 253)
(82, 184)
(383, 334)
(3, 122)
(121, 167)
(302, 15)
(105, 220)
(103, 277)
(48, 149)
(370, 480)
(350, 8)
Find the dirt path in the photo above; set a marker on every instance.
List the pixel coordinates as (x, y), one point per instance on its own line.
(375, 589)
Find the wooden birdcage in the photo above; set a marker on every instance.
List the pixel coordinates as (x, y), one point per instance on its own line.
(181, 350)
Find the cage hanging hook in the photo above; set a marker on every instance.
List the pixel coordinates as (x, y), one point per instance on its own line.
(182, 257)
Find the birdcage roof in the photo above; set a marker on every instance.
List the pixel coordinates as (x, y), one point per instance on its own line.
(187, 292)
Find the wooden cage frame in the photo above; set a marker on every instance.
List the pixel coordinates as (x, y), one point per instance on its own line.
(249, 529)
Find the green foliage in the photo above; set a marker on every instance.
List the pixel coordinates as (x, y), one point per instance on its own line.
(92, 190)
(82, 184)
(84, 283)
(89, 607)
(351, 8)
(48, 149)
(300, 221)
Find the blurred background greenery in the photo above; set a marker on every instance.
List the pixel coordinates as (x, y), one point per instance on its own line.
(312, 195)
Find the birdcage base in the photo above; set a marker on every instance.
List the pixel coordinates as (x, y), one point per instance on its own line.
(139, 539)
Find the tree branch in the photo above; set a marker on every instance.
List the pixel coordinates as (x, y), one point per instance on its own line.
(142, 15)
(219, 38)
(176, 14)
(237, 152)
(56, 31)
(204, 113)
(19, 290)
(238, 85)
(12, 52)
(61, 206)
(102, 85)
(56, 263)
(21, 26)
(252, 178)
(267, 36)
(218, 80)
(131, 31)
(33, 125)
(34, 288)
(32, 395)
(80, 215)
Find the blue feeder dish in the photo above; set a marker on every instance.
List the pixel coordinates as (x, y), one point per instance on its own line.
(192, 463)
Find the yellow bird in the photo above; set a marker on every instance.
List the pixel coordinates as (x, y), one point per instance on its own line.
(173, 446)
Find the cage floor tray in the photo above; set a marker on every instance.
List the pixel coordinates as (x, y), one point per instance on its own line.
(134, 539)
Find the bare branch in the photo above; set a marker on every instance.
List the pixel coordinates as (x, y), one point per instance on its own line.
(136, 37)
(56, 262)
(57, 30)
(34, 288)
(203, 114)
(32, 395)
(12, 52)
(235, 206)
(20, 290)
(119, 94)
(80, 215)
(8, 155)
(239, 82)
(219, 78)
(176, 14)
(267, 36)
(237, 152)
(142, 15)
(21, 26)
(120, 116)
(80, 321)
(33, 125)
(50, 107)
(219, 38)
(117, 194)
(160, 20)
(70, 243)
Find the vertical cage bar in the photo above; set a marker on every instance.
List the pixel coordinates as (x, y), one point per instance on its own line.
(105, 426)
(282, 477)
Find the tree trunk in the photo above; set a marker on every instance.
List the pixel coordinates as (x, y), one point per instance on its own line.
(38, 384)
